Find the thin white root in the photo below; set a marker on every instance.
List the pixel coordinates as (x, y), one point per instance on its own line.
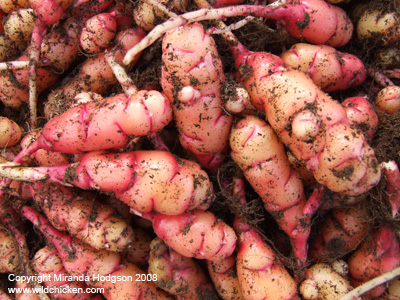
(231, 27)
(34, 55)
(152, 36)
(33, 96)
(9, 164)
(197, 16)
(369, 285)
(14, 65)
(222, 28)
(189, 17)
(124, 80)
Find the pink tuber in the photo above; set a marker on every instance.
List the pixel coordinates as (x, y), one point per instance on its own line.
(224, 276)
(329, 68)
(192, 77)
(177, 274)
(260, 272)
(361, 114)
(145, 180)
(110, 123)
(86, 219)
(98, 32)
(311, 124)
(262, 158)
(341, 231)
(98, 268)
(388, 99)
(316, 21)
(392, 174)
(48, 264)
(379, 253)
(198, 234)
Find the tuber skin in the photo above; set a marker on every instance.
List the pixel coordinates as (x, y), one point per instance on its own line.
(262, 158)
(261, 275)
(8, 6)
(379, 253)
(47, 263)
(361, 114)
(43, 157)
(178, 275)
(86, 219)
(224, 276)
(98, 32)
(58, 51)
(49, 12)
(147, 16)
(316, 21)
(379, 26)
(191, 79)
(110, 123)
(329, 68)
(94, 74)
(392, 175)
(139, 250)
(9, 261)
(388, 99)
(311, 124)
(10, 132)
(340, 233)
(8, 49)
(260, 272)
(146, 180)
(198, 234)
(18, 25)
(80, 259)
(323, 282)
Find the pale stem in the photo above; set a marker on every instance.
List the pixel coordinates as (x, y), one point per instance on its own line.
(34, 55)
(14, 65)
(21, 173)
(234, 26)
(222, 28)
(123, 78)
(196, 16)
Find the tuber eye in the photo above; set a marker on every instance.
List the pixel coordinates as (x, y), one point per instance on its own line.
(305, 125)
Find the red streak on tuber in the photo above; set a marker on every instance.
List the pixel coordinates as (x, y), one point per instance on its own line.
(110, 123)
(135, 178)
(197, 234)
(392, 174)
(379, 253)
(79, 259)
(338, 155)
(191, 79)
